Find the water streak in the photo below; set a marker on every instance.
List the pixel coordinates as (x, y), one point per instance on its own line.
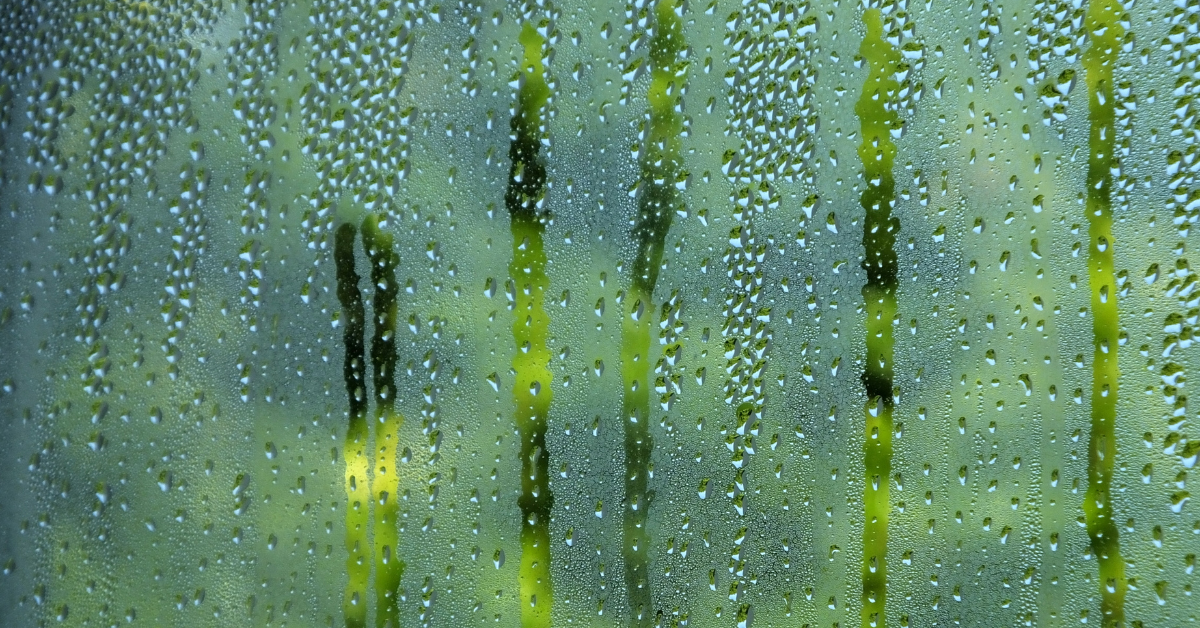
(877, 113)
(386, 486)
(657, 203)
(357, 479)
(1106, 33)
(532, 393)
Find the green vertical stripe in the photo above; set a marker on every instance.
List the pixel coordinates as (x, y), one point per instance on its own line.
(358, 565)
(635, 410)
(657, 203)
(1106, 34)
(388, 566)
(532, 393)
(877, 114)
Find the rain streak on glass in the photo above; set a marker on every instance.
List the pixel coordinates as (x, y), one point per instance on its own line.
(610, 313)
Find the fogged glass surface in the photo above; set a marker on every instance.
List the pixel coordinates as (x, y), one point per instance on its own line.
(591, 313)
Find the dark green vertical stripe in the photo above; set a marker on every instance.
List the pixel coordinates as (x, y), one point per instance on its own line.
(358, 565)
(1106, 33)
(659, 198)
(657, 204)
(532, 393)
(877, 115)
(388, 566)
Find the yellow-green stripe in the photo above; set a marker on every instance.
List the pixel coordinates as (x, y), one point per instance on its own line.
(657, 203)
(877, 152)
(357, 482)
(1106, 32)
(388, 566)
(532, 393)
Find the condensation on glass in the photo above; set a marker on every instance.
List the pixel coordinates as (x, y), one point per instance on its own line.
(558, 313)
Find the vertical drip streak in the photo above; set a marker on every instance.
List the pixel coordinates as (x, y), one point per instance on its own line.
(1102, 24)
(656, 207)
(531, 389)
(877, 152)
(358, 485)
(388, 566)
